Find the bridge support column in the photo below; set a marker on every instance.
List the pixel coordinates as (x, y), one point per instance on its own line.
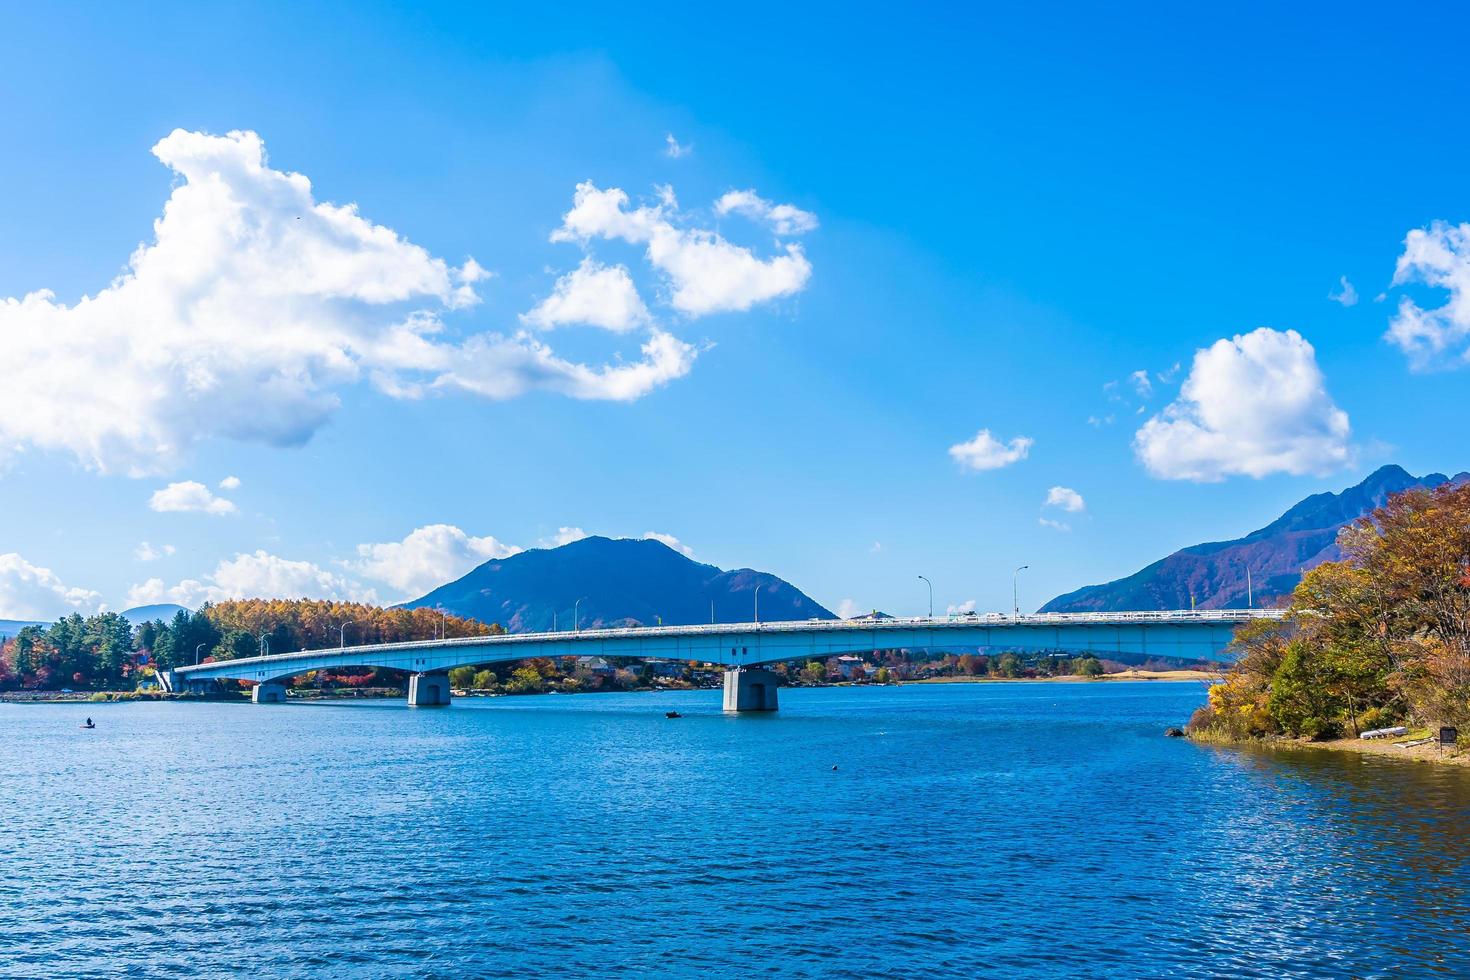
(268, 692)
(428, 690)
(751, 689)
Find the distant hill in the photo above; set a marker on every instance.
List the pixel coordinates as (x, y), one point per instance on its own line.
(1215, 573)
(10, 627)
(619, 582)
(147, 614)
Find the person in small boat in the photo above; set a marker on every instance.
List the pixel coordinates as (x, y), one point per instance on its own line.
(89, 724)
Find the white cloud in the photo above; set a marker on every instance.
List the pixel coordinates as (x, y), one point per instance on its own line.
(1344, 294)
(251, 308)
(985, 452)
(230, 483)
(189, 496)
(563, 535)
(1066, 498)
(1438, 256)
(876, 548)
(1098, 421)
(671, 541)
(253, 576)
(598, 295)
(847, 609)
(1141, 383)
(427, 558)
(784, 219)
(31, 592)
(707, 273)
(1252, 405)
(968, 606)
(1054, 525)
(146, 551)
(674, 149)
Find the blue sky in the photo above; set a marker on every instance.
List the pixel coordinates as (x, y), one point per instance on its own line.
(996, 219)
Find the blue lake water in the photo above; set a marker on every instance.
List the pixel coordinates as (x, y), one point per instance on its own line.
(969, 830)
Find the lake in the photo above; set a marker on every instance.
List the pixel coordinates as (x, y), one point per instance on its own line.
(968, 830)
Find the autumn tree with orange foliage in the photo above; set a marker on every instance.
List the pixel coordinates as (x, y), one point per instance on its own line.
(308, 624)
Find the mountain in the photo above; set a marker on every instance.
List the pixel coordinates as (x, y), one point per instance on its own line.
(619, 582)
(1214, 574)
(147, 614)
(10, 627)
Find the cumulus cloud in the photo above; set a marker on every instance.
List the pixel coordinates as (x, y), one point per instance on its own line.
(594, 294)
(706, 273)
(1344, 294)
(985, 452)
(784, 219)
(968, 606)
(258, 575)
(253, 305)
(189, 496)
(671, 541)
(847, 609)
(1252, 405)
(230, 483)
(31, 592)
(146, 551)
(1066, 498)
(427, 558)
(1437, 256)
(563, 535)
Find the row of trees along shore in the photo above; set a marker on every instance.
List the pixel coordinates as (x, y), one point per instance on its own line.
(106, 652)
(1381, 637)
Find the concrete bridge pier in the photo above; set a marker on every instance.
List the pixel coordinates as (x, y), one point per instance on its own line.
(751, 689)
(428, 690)
(268, 692)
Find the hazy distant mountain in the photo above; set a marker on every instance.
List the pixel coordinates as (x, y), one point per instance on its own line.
(1215, 574)
(10, 627)
(147, 614)
(619, 582)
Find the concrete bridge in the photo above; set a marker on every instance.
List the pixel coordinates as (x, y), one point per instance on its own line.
(745, 648)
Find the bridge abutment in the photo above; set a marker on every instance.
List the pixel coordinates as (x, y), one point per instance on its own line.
(751, 689)
(268, 692)
(428, 690)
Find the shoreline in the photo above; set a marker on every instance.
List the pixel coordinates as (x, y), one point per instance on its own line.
(1381, 748)
(1164, 676)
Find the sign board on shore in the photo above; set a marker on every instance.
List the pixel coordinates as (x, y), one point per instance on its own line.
(1448, 735)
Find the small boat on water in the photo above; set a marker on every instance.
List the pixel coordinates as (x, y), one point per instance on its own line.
(88, 724)
(672, 714)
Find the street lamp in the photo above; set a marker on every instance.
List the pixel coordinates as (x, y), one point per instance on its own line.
(342, 634)
(197, 647)
(757, 604)
(576, 623)
(1250, 599)
(265, 644)
(1016, 591)
(931, 595)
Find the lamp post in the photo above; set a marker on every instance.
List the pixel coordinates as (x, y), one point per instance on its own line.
(342, 634)
(1016, 591)
(757, 604)
(1250, 599)
(931, 595)
(576, 623)
(265, 644)
(197, 647)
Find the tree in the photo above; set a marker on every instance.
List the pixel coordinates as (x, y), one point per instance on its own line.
(462, 677)
(1009, 665)
(484, 679)
(814, 673)
(1087, 667)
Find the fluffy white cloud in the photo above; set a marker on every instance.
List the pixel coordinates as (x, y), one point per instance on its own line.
(968, 606)
(707, 273)
(189, 496)
(985, 452)
(1066, 498)
(230, 483)
(563, 535)
(1344, 294)
(427, 558)
(31, 592)
(847, 609)
(599, 295)
(1252, 405)
(252, 306)
(671, 541)
(1438, 256)
(146, 551)
(674, 149)
(784, 219)
(1141, 383)
(253, 576)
